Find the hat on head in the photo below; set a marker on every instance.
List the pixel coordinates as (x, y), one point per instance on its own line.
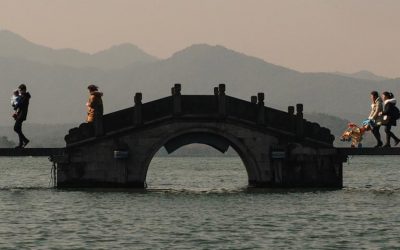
(92, 87)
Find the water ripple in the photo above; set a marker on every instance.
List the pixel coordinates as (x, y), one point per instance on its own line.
(200, 204)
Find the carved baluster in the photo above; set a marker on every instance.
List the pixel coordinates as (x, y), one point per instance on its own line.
(137, 120)
(177, 99)
(299, 122)
(261, 109)
(221, 100)
(216, 91)
(299, 108)
(292, 119)
(291, 110)
(98, 124)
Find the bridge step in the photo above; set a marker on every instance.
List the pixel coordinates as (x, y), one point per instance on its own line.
(12, 152)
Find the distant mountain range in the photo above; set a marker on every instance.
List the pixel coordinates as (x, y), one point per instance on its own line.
(120, 56)
(364, 75)
(57, 80)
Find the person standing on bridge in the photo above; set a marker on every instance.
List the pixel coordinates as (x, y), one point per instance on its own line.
(390, 114)
(94, 104)
(375, 118)
(21, 115)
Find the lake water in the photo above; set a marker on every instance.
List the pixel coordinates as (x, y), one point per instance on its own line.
(200, 203)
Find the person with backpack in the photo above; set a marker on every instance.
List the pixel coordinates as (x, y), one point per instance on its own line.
(390, 115)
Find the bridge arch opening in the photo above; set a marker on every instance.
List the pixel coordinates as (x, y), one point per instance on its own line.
(200, 161)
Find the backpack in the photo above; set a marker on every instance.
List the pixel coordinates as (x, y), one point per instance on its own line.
(396, 113)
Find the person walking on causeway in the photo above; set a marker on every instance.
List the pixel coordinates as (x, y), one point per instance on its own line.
(21, 115)
(390, 114)
(375, 118)
(94, 104)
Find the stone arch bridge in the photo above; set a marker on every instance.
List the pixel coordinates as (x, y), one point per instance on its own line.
(278, 149)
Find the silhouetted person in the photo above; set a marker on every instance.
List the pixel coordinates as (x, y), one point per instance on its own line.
(21, 114)
(390, 115)
(94, 104)
(375, 118)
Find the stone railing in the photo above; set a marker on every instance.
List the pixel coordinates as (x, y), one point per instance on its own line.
(216, 107)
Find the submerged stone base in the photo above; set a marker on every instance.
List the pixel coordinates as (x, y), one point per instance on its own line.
(300, 171)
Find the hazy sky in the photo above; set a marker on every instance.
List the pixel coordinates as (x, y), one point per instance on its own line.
(307, 35)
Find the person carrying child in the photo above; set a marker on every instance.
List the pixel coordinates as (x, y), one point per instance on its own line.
(15, 99)
(21, 114)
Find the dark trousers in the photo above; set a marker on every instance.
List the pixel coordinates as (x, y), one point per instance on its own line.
(389, 134)
(18, 130)
(377, 134)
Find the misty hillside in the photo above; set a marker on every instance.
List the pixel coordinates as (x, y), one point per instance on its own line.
(59, 91)
(364, 75)
(14, 46)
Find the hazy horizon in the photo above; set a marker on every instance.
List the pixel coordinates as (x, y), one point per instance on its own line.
(351, 74)
(305, 35)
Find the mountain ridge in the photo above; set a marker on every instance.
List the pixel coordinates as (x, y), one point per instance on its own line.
(118, 56)
(364, 75)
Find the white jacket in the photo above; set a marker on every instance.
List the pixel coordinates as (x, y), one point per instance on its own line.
(376, 108)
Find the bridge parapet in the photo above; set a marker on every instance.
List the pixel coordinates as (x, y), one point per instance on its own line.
(217, 107)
